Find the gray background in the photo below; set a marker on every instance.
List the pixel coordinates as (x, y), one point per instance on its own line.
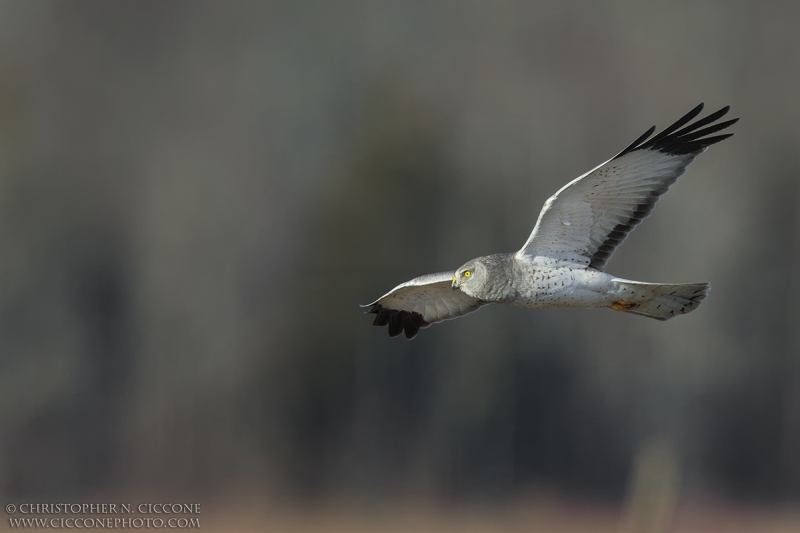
(195, 196)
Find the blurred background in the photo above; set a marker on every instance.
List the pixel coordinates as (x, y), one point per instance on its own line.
(196, 196)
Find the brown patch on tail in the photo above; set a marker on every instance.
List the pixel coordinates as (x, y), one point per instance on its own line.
(622, 305)
(661, 301)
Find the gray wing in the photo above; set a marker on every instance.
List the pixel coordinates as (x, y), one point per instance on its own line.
(421, 302)
(589, 217)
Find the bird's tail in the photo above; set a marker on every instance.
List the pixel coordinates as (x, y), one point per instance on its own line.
(657, 300)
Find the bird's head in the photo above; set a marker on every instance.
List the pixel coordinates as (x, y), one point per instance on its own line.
(470, 277)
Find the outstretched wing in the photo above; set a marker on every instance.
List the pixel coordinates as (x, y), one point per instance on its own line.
(421, 302)
(589, 217)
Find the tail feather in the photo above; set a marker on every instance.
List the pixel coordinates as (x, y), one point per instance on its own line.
(658, 300)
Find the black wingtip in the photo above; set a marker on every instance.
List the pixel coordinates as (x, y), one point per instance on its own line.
(398, 321)
(688, 140)
(395, 325)
(638, 141)
(685, 119)
(381, 319)
(703, 122)
(412, 324)
(709, 130)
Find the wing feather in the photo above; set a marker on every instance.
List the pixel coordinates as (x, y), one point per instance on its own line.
(590, 216)
(421, 302)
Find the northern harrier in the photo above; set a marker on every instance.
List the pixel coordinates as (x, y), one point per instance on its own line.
(562, 262)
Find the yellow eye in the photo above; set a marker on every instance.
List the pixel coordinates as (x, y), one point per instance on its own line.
(467, 273)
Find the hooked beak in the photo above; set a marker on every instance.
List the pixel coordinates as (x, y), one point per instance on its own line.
(454, 283)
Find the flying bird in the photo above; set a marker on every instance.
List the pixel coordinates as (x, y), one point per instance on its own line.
(562, 262)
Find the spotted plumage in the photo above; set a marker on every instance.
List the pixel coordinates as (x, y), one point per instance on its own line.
(562, 262)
